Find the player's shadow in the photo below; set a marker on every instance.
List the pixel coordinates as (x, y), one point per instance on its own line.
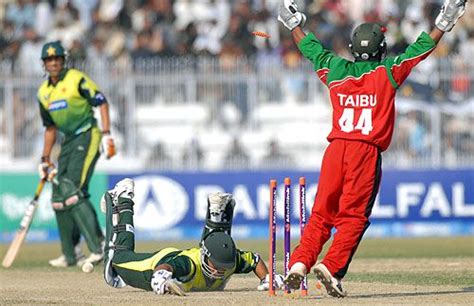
(402, 294)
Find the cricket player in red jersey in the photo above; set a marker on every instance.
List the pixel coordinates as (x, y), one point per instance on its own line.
(362, 95)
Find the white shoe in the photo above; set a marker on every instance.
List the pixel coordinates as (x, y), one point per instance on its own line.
(332, 284)
(61, 262)
(295, 276)
(217, 204)
(124, 189)
(94, 258)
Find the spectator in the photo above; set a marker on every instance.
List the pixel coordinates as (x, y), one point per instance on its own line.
(276, 158)
(67, 26)
(21, 13)
(418, 141)
(44, 18)
(142, 51)
(28, 59)
(236, 157)
(159, 158)
(193, 155)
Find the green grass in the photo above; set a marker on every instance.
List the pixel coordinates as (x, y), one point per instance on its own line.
(36, 254)
(417, 248)
(455, 278)
(459, 247)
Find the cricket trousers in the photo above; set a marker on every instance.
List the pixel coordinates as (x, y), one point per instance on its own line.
(348, 184)
(76, 164)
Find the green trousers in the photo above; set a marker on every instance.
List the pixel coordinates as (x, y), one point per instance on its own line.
(75, 167)
(136, 269)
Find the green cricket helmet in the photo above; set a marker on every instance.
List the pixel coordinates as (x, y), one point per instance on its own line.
(53, 48)
(218, 255)
(368, 42)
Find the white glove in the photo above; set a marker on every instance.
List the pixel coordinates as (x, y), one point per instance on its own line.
(451, 11)
(289, 15)
(107, 145)
(158, 281)
(265, 283)
(47, 170)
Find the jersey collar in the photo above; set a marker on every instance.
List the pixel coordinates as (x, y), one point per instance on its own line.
(62, 75)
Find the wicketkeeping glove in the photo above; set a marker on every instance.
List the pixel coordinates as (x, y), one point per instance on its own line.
(265, 283)
(46, 169)
(107, 145)
(290, 16)
(158, 281)
(451, 11)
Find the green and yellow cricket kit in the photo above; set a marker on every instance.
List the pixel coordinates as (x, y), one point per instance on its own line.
(68, 106)
(125, 267)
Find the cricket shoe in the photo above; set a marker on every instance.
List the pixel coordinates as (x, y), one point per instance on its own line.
(95, 258)
(217, 205)
(124, 189)
(333, 285)
(295, 276)
(61, 261)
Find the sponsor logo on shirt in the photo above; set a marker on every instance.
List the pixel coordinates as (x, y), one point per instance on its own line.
(99, 96)
(57, 105)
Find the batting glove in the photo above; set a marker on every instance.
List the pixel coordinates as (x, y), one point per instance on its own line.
(158, 281)
(265, 283)
(290, 16)
(451, 11)
(46, 169)
(107, 146)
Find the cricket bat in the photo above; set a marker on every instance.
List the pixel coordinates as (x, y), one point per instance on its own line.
(24, 227)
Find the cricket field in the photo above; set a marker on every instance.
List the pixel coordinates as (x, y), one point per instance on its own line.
(383, 271)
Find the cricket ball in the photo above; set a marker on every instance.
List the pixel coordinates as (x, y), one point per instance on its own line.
(87, 267)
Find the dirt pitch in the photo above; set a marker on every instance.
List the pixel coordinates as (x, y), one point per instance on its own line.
(41, 285)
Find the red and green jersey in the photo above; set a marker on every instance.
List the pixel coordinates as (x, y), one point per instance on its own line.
(363, 93)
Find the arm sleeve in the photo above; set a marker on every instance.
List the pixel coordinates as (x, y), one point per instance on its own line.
(45, 116)
(246, 262)
(312, 49)
(414, 54)
(90, 91)
(183, 267)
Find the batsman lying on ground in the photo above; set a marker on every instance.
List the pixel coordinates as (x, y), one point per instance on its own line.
(205, 268)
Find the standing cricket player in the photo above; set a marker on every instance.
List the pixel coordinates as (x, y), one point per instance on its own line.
(362, 95)
(66, 100)
(205, 268)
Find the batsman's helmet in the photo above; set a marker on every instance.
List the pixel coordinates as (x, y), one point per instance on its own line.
(53, 48)
(218, 255)
(368, 42)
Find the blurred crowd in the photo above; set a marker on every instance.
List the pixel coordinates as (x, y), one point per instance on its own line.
(136, 30)
(125, 32)
(137, 33)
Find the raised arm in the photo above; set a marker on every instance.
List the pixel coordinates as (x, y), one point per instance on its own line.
(309, 46)
(298, 34)
(450, 13)
(403, 64)
(436, 34)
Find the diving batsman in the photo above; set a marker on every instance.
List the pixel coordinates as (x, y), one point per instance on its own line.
(172, 271)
